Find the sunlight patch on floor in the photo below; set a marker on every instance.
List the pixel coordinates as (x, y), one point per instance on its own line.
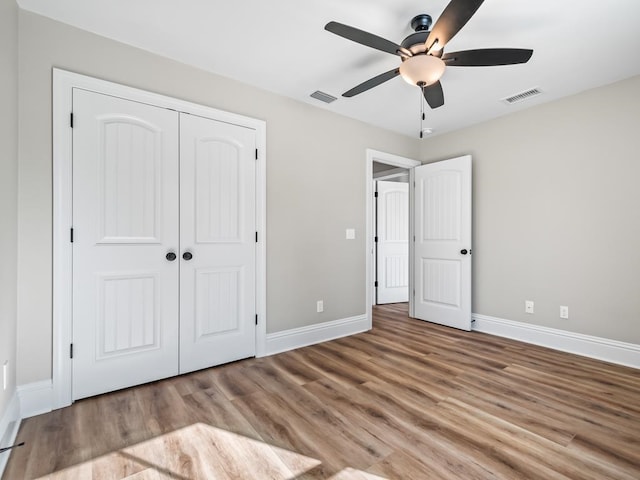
(353, 474)
(200, 451)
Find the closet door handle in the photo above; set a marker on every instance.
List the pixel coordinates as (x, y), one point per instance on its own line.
(463, 251)
(171, 256)
(187, 256)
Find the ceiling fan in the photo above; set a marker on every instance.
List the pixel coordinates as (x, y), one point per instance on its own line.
(422, 52)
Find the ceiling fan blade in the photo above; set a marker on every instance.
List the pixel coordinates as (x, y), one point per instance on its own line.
(372, 82)
(487, 57)
(364, 38)
(434, 95)
(453, 18)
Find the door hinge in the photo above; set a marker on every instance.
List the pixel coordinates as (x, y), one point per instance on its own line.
(256, 153)
(375, 194)
(71, 119)
(256, 237)
(71, 350)
(375, 284)
(375, 239)
(71, 236)
(256, 318)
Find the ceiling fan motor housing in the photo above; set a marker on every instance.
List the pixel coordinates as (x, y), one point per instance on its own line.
(421, 22)
(415, 42)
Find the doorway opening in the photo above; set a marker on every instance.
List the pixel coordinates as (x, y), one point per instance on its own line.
(382, 166)
(439, 263)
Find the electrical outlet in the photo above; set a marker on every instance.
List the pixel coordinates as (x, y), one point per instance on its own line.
(320, 306)
(564, 311)
(5, 370)
(528, 306)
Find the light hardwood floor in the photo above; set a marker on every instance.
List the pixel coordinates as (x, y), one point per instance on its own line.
(407, 400)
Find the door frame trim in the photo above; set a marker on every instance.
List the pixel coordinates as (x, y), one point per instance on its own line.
(397, 161)
(63, 84)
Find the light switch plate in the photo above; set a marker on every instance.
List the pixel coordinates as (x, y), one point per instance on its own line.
(351, 233)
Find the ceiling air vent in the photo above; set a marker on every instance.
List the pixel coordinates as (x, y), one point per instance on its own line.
(323, 97)
(519, 97)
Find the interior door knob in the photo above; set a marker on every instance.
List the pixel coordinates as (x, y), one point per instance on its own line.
(171, 256)
(187, 255)
(464, 251)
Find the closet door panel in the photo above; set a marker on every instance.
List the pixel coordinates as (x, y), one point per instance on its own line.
(125, 221)
(217, 237)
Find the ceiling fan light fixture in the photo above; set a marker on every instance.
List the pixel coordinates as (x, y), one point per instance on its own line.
(422, 70)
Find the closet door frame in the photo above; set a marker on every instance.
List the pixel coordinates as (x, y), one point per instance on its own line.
(63, 84)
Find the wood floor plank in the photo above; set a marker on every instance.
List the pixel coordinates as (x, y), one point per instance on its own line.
(281, 427)
(230, 380)
(623, 401)
(407, 400)
(548, 457)
(517, 408)
(348, 437)
(405, 426)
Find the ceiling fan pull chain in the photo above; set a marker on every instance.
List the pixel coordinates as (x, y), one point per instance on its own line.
(421, 110)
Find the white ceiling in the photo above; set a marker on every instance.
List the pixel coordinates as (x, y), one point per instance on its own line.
(281, 46)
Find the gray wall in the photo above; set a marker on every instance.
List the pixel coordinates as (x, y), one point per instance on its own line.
(557, 211)
(8, 191)
(315, 181)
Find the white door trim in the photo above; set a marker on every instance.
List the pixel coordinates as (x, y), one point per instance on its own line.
(397, 161)
(63, 84)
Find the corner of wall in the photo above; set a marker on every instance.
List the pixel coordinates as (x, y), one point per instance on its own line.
(9, 404)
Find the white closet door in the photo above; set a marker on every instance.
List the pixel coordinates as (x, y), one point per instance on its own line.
(442, 244)
(125, 217)
(393, 242)
(218, 242)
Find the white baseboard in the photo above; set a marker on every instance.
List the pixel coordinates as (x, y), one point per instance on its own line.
(613, 351)
(304, 336)
(35, 398)
(9, 424)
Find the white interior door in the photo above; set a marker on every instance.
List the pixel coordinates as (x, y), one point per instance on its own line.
(218, 235)
(392, 225)
(125, 217)
(442, 247)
